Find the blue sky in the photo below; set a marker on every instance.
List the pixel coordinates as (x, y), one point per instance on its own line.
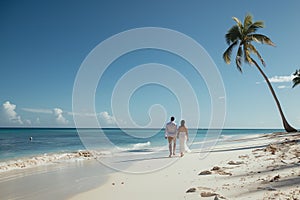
(44, 43)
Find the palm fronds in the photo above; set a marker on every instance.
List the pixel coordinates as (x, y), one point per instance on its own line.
(296, 79)
(261, 39)
(244, 34)
(228, 52)
(233, 34)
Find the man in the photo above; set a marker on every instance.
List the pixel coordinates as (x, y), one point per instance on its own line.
(170, 134)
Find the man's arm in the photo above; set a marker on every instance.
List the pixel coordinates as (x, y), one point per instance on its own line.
(166, 131)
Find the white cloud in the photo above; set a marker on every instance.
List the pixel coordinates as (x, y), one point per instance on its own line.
(83, 114)
(28, 122)
(281, 79)
(34, 110)
(104, 118)
(59, 117)
(10, 114)
(282, 86)
(107, 119)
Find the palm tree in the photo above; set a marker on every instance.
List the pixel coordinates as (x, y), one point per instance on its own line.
(241, 36)
(296, 79)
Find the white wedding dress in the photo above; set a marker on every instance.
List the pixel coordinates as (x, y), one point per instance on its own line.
(182, 143)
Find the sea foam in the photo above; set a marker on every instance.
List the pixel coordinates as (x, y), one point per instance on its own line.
(48, 159)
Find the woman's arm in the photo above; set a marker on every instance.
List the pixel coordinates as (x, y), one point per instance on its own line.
(187, 133)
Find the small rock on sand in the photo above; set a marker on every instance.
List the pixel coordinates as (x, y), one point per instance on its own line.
(191, 190)
(235, 162)
(275, 178)
(271, 148)
(216, 168)
(207, 194)
(206, 172)
(86, 154)
(222, 172)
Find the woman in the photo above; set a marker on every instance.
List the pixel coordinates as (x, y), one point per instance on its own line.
(183, 137)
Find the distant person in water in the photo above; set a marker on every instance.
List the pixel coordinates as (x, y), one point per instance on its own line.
(170, 134)
(183, 136)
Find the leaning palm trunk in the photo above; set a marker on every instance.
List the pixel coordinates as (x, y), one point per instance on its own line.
(242, 35)
(286, 125)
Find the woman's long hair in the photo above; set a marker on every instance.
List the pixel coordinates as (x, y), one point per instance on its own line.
(182, 123)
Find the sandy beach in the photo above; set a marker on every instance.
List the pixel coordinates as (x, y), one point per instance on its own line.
(94, 95)
(255, 167)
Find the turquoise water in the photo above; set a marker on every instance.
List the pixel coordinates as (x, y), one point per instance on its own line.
(15, 142)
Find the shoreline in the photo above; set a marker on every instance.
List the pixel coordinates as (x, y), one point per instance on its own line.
(57, 181)
(251, 168)
(143, 175)
(80, 154)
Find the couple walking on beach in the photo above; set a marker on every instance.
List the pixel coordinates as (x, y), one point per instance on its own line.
(172, 132)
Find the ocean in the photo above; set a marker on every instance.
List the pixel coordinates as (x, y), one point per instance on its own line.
(29, 147)
(35, 162)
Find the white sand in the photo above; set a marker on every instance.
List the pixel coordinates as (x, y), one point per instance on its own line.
(253, 173)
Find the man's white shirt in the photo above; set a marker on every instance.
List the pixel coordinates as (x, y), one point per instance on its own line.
(171, 129)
